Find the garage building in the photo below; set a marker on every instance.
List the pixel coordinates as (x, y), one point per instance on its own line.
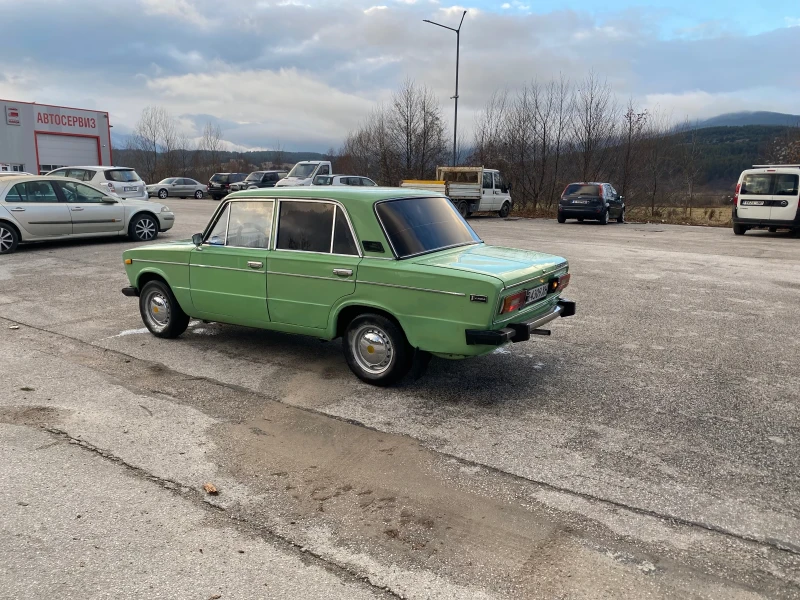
(38, 138)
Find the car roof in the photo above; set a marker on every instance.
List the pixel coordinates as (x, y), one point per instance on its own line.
(97, 167)
(346, 195)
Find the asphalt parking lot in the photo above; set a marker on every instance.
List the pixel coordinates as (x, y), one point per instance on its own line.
(648, 448)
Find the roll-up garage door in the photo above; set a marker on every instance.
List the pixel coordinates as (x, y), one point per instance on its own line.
(66, 150)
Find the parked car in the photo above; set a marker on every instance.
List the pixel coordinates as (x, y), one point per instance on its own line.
(343, 180)
(181, 187)
(35, 208)
(13, 173)
(591, 200)
(471, 189)
(259, 179)
(219, 185)
(304, 172)
(398, 275)
(767, 196)
(118, 181)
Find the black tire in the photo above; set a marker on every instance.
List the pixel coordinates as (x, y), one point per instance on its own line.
(580, 219)
(182, 197)
(199, 194)
(462, 208)
(9, 238)
(156, 299)
(216, 197)
(162, 194)
(603, 220)
(621, 217)
(772, 229)
(143, 228)
(392, 347)
(505, 210)
(561, 219)
(739, 229)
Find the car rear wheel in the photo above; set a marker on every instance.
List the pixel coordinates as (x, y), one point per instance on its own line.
(739, 229)
(376, 350)
(160, 311)
(772, 229)
(9, 239)
(505, 210)
(162, 193)
(604, 218)
(199, 194)
(463, 209)
(562, 219)
(143, 228)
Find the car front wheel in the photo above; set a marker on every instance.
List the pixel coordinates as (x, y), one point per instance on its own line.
(739, 229)
(160, 311)
(143, 228)
(162, 194)
(376, 350)
(9, 239)
(504, 210)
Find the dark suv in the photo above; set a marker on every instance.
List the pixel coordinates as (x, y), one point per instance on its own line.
(259, 179)
(592, 200)
(219, 185)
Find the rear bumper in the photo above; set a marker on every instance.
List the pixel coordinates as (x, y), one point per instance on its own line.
(585, 212)
(519, 332)
(131, 292)
(794, 224)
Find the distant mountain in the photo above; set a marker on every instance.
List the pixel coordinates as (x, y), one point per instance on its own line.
(739, 119)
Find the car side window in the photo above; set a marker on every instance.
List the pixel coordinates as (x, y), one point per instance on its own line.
(368, 181)
(343, 242)
(487, 181)
(250, 224)
(77, 192)
(59, 173)
(79, 174)
(32, 191)
(305, 226)
(786, 185)
(219, 232)
(324, 170)
(756, 184)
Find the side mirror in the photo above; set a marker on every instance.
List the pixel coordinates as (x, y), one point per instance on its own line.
(620, 197)
(109, 200)
(197, 239)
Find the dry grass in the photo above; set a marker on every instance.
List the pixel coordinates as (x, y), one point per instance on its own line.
(709, 216)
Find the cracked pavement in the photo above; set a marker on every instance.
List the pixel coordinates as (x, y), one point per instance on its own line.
(647, 448)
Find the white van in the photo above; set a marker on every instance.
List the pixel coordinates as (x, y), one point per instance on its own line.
(767, 196)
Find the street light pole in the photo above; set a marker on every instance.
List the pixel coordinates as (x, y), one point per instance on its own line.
(458, 46)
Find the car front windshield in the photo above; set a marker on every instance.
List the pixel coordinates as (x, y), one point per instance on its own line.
(122, 175)
(255, 176)
(302, 171)
(422, 225)
(168, 180)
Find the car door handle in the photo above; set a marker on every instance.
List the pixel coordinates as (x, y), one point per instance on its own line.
(254, 264)
(76, 208)
(17, 209)
(343, 272)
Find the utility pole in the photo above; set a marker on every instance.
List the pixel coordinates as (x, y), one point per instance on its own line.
(458, 45)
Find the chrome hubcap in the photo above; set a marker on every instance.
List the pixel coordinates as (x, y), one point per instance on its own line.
(372, 349)
(6, 239)
(145, 229)
(198, 194)
(162, 194)
(158, 312)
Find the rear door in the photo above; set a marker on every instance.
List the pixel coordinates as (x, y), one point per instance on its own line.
(784, 197)
(755, 196)
(35, 206)
(88, 211)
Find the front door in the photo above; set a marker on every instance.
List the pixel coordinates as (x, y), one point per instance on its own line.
(314, 264)
(784, 197)
(89, 213)
(228, 272)
(35, 206)
(755, 196)
(487, 192)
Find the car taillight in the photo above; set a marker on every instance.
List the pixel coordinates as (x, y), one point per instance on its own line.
(227, 185)
(736, 194)
(512, 302)
(559, 283)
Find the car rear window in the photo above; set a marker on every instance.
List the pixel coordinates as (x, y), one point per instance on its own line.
(757, 184)
(220, 177)
(786, 185)
(421, 225)
(122, 175)
(583, 189)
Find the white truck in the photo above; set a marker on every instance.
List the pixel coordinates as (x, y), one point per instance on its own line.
(471, 189)
(304, 172)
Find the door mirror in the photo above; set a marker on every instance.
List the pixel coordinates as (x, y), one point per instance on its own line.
(620, 197)
(197, 239)
(109, 200)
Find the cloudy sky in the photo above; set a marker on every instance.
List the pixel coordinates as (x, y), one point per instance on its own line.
(303, 72)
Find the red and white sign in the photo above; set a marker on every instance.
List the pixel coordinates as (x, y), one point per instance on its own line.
(59, 120)
(12, 115)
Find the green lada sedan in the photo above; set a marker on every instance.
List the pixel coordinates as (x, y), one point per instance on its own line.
(398, 274)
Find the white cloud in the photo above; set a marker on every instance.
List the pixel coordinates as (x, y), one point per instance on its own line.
(175, 8)
(505, 5)
(373, 9)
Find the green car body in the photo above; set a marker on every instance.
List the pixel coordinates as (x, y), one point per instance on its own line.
(446, 302)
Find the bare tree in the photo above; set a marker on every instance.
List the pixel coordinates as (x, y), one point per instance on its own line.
(279, 156)
(153, 130)
(211, 147)
(656, 149)
(688, 156)
(593, 126)
(633, 124)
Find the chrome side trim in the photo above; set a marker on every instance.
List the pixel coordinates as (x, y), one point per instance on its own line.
(406, 287)
(227, 268)
(309, 276)
(160, 262)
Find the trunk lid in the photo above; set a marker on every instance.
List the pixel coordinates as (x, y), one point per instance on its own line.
(512, 266)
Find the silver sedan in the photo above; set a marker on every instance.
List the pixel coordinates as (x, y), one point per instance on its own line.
(181, 187)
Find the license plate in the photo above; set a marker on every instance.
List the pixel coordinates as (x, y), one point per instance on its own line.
(580, 202)
(534, 294)
(130, 189)
(752, 203)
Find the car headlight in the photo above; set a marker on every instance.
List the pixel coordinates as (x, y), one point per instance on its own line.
(165, 209)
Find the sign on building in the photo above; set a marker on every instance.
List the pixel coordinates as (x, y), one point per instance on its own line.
(12, 115)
